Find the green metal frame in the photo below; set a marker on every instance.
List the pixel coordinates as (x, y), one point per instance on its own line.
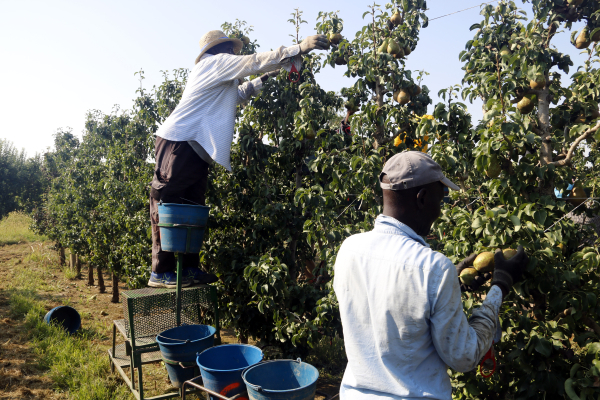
(140, 346)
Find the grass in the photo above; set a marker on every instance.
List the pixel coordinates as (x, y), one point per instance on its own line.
(75, 363)
(14, 228)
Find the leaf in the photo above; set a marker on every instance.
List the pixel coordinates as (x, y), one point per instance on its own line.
(475, 26)
(516, 221)
(540, 216)
(544, 347)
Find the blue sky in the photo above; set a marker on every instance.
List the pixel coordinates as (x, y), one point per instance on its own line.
(62, 58)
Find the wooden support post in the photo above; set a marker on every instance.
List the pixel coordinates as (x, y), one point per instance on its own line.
(72, 260)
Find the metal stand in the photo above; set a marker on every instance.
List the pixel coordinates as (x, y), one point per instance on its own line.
(194, 383)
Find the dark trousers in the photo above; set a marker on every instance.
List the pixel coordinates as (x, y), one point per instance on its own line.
(180, 176)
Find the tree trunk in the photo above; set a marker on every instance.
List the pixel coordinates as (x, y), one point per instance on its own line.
(544, 119)
(78, 264)
(72, 260)
(90, 275)
(115, 288)
(61, 255)
(101, 287)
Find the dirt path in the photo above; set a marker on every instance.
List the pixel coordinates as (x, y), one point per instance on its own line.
(20, 376)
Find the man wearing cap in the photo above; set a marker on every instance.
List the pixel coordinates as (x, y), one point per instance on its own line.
(400, 301)
(200, 130)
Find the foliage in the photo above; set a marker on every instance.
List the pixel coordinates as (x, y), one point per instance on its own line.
(21, 183)
(549, 320)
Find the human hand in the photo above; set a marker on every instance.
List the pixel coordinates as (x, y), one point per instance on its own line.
(508, 272)
(315, 42)
(268, 75)
(479, 279)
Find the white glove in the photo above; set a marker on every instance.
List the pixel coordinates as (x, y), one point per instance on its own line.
(315, 42)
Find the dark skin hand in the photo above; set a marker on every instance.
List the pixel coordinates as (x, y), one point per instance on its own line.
(417, 207)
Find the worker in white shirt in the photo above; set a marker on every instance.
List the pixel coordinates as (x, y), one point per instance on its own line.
(201, 129)
(400, 301)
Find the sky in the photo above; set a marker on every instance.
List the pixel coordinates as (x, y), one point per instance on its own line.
(59, 59)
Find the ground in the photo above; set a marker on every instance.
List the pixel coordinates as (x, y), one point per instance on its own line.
(34, 361)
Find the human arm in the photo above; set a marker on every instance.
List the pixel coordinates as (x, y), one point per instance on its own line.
(462, 343)
(253, 87)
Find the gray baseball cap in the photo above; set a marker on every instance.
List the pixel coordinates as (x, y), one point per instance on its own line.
(411, 169)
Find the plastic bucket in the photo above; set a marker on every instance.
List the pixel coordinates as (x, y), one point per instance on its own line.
(281, 379)
(64, 316)
(190, 232)
(181, 345)
(222, 366)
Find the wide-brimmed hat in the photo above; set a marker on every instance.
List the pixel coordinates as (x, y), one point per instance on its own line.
(213, 38)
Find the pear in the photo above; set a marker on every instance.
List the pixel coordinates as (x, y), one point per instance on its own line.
(494, 169)
(595, 36)
(407, 50)
(416, 90)
(245, 40)
(393, 47)
(525, 105)
(594, 114)
(578, 195)
(484, 262)
(538, 83)
(384, 46)
(505, 51)
(468, 275)
(583, 39)
(335, 38)
(310, 133)
(509, 253)
(400, 54)
(396, 19)
(402, 96)
(340, 61)
(574, 2)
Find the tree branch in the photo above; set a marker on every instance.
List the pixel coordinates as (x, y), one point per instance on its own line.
(592, 324)
(567, 159)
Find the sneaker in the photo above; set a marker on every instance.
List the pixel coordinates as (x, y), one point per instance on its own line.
(198, 276)
(167, 280)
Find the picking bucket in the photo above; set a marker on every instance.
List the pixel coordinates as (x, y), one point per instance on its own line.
(64, 316)
(281, 380)
(222, 366)
(182, 227)
(179, 347)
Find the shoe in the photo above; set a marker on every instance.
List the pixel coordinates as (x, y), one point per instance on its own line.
(167, 280)
(199, 277)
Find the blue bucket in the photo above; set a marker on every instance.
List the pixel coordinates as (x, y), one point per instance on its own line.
(180, 345)
(281, 380)
(222, 366)
(64, 316)
(188, 236)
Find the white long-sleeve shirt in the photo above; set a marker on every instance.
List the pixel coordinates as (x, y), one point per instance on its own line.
(402, 316)
(206, 111)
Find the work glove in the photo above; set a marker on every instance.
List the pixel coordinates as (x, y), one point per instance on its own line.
(478, 281)
(315, 42)
(268, 75)
(508, 272)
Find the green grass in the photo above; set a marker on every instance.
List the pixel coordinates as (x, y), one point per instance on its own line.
(14, 228)
(75, 363)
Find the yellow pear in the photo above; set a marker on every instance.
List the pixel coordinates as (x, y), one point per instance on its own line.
(583, 39)
(402, 97)
(396, 19)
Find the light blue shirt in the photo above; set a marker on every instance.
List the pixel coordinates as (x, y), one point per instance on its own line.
(403, 318)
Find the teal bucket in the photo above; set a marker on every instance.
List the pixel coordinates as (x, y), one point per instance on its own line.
(221, 368)
(179, 347)
(182, 227)
(281, 380)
